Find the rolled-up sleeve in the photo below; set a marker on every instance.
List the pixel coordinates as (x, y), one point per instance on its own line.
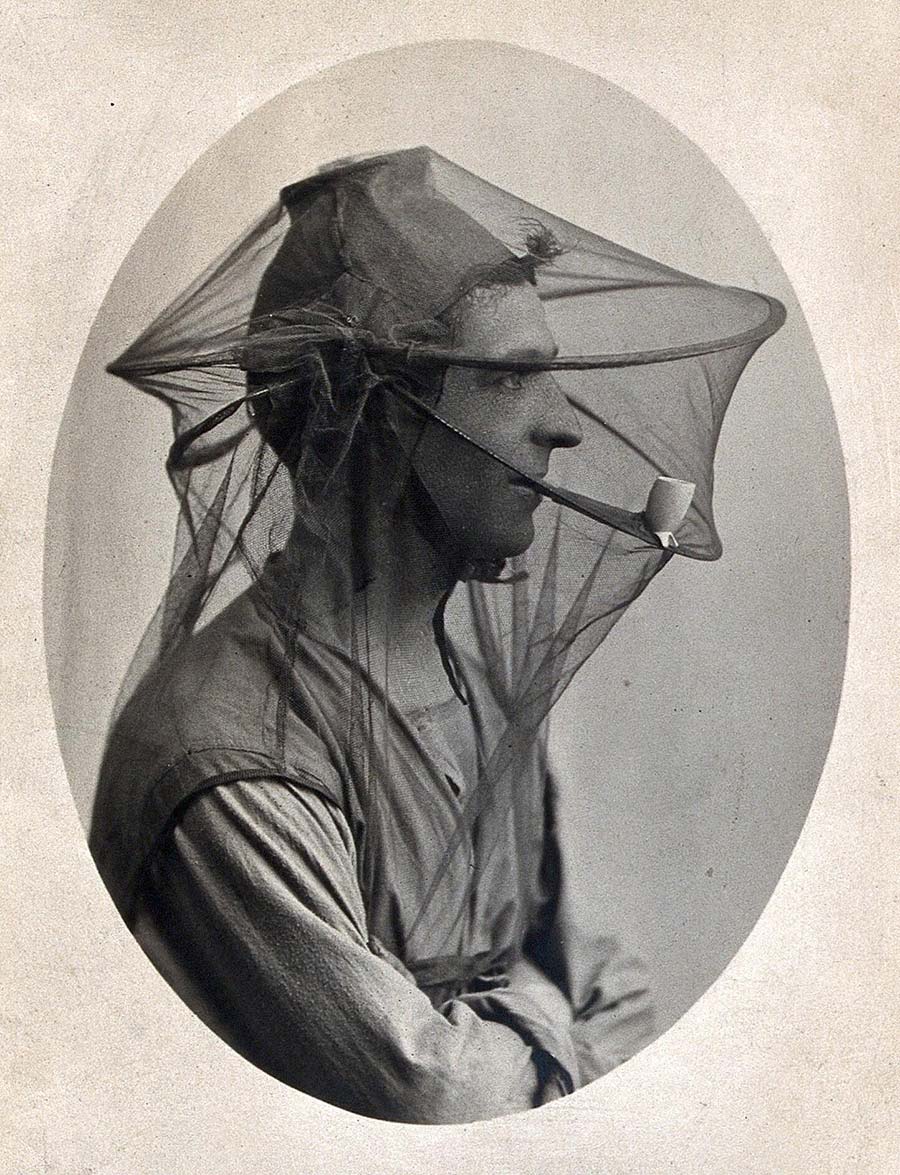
(252, 909)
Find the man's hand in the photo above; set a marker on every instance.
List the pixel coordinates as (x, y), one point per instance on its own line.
(606, 1037)
(528, 979)
(608, 1011)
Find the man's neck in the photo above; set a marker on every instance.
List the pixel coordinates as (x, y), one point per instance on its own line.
(389, 598)
(401, 601)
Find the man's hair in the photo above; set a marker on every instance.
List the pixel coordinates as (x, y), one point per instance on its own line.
(333, 369)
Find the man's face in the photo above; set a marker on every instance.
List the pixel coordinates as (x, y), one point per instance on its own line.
(521, 416)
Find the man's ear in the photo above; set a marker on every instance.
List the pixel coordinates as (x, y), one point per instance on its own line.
(404, 424)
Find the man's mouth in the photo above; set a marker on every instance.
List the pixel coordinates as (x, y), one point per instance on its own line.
(525, 488)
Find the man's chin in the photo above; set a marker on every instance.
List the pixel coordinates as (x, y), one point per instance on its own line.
(496, 545)
(520, 548)
(514, 541)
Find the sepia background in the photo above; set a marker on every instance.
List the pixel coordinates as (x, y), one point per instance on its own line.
(690, 746)
(783, 1065)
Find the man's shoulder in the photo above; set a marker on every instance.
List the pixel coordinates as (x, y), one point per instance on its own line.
(206, 680)
(229, 700)
(223, 705)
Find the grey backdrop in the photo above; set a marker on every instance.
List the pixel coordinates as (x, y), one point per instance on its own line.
(692, 743)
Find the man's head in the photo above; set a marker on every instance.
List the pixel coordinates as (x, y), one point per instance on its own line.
(479, 510)
(381, 249)
(521, 416)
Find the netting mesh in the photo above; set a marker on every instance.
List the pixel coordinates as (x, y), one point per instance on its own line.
(367, 390)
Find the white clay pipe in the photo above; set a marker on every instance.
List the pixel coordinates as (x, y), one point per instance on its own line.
(667, 504)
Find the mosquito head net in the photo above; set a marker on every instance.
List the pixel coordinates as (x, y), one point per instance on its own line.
(405, 395)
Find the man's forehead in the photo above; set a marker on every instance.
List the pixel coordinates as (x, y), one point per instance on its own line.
(507, 322)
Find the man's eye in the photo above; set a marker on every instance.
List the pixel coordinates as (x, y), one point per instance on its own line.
(512, 381)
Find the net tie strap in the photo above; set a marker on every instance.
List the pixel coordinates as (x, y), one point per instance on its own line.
(486, 967)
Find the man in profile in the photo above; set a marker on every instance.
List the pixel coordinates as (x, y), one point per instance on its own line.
(326, 809)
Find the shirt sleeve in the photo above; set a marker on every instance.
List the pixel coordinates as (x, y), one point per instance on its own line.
(251, 908)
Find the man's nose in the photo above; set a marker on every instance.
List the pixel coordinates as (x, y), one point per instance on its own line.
(557, 427)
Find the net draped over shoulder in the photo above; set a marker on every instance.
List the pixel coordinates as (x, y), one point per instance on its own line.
(270, 755)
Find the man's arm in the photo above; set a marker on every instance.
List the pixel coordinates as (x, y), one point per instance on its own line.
(253, 911)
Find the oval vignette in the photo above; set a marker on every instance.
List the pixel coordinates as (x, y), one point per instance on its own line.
(691, 745)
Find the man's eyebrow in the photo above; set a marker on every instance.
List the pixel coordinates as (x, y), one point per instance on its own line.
(530, 353)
